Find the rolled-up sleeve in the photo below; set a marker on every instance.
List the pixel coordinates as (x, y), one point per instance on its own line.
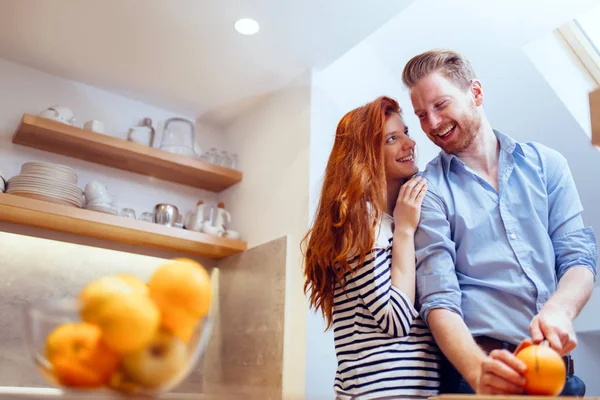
(437, 284)
(577, 248)
(574, 244)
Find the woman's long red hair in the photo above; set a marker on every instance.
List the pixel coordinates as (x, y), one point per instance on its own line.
(351, 205)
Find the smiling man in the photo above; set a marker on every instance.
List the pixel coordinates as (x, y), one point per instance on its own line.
(502, 252)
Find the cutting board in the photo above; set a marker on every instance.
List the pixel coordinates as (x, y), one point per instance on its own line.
(499, 397)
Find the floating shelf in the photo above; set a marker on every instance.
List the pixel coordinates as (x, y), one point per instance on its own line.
(595, 116)
(56, 137)
(42, 214)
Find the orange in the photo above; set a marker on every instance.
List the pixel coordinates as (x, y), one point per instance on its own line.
(128, 318)
(128, 322)
(96, 292)
(179, 322)
(79, 356)
(181, 290)
(187, 260)
(546, 372)
(135, 283)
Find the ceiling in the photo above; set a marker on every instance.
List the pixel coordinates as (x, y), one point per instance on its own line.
(184, 55)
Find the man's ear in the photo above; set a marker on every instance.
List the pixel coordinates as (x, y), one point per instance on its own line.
(477, 92)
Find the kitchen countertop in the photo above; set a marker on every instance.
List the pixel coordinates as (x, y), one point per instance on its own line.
(32, 393)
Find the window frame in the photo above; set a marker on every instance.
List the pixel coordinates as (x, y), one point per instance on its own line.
(583, 48)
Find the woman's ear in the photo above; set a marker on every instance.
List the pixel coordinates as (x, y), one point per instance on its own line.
(477, 91)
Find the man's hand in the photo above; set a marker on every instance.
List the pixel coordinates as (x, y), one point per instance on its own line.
(554, 325)
(501, 373)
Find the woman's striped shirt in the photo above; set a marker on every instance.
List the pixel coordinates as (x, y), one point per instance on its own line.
(383, 348)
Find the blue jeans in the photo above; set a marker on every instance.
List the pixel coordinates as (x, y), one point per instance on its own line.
(573, 387)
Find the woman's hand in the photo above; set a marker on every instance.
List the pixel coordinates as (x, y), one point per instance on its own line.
(407, 211)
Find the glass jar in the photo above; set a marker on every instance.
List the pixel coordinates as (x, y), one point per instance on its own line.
(178, 137)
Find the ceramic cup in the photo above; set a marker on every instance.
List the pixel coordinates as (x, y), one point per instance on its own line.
(96, 192)
(94, 126)
(60, 114)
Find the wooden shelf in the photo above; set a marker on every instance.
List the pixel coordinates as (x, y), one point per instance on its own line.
(25, 211)
(56, 137)
(595, 116)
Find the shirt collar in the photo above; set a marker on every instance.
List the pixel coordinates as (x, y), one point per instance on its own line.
(507, 144)
(384, 231)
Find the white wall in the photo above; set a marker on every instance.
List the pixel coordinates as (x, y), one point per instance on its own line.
(25, 90)
(565, 74)
(518, 102)
(272, 201)
(588, 321)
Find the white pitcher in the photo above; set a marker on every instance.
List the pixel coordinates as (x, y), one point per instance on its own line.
(220, 217)
(199, 218)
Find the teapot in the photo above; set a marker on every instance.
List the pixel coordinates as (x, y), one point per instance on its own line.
(219, 217)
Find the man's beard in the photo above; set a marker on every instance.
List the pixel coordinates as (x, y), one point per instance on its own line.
(468, 127)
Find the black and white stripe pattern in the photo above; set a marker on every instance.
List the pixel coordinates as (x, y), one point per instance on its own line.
(383, 348)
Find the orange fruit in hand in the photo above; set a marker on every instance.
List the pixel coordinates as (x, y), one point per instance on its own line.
(79, 356)
(181, 290)
(127, 317)
(546, 372)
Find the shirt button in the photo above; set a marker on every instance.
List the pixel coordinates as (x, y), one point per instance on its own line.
(513, 236)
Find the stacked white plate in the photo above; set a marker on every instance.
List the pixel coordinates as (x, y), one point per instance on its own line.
(49, 182)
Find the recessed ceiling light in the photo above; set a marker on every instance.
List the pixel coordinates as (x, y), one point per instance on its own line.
(247, 26)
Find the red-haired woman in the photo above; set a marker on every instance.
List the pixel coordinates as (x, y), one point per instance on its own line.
(360, 258)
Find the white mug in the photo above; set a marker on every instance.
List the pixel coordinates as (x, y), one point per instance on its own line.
(94, 126)
(95, 190)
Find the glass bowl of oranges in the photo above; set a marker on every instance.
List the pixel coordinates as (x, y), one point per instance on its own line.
(123, 334)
